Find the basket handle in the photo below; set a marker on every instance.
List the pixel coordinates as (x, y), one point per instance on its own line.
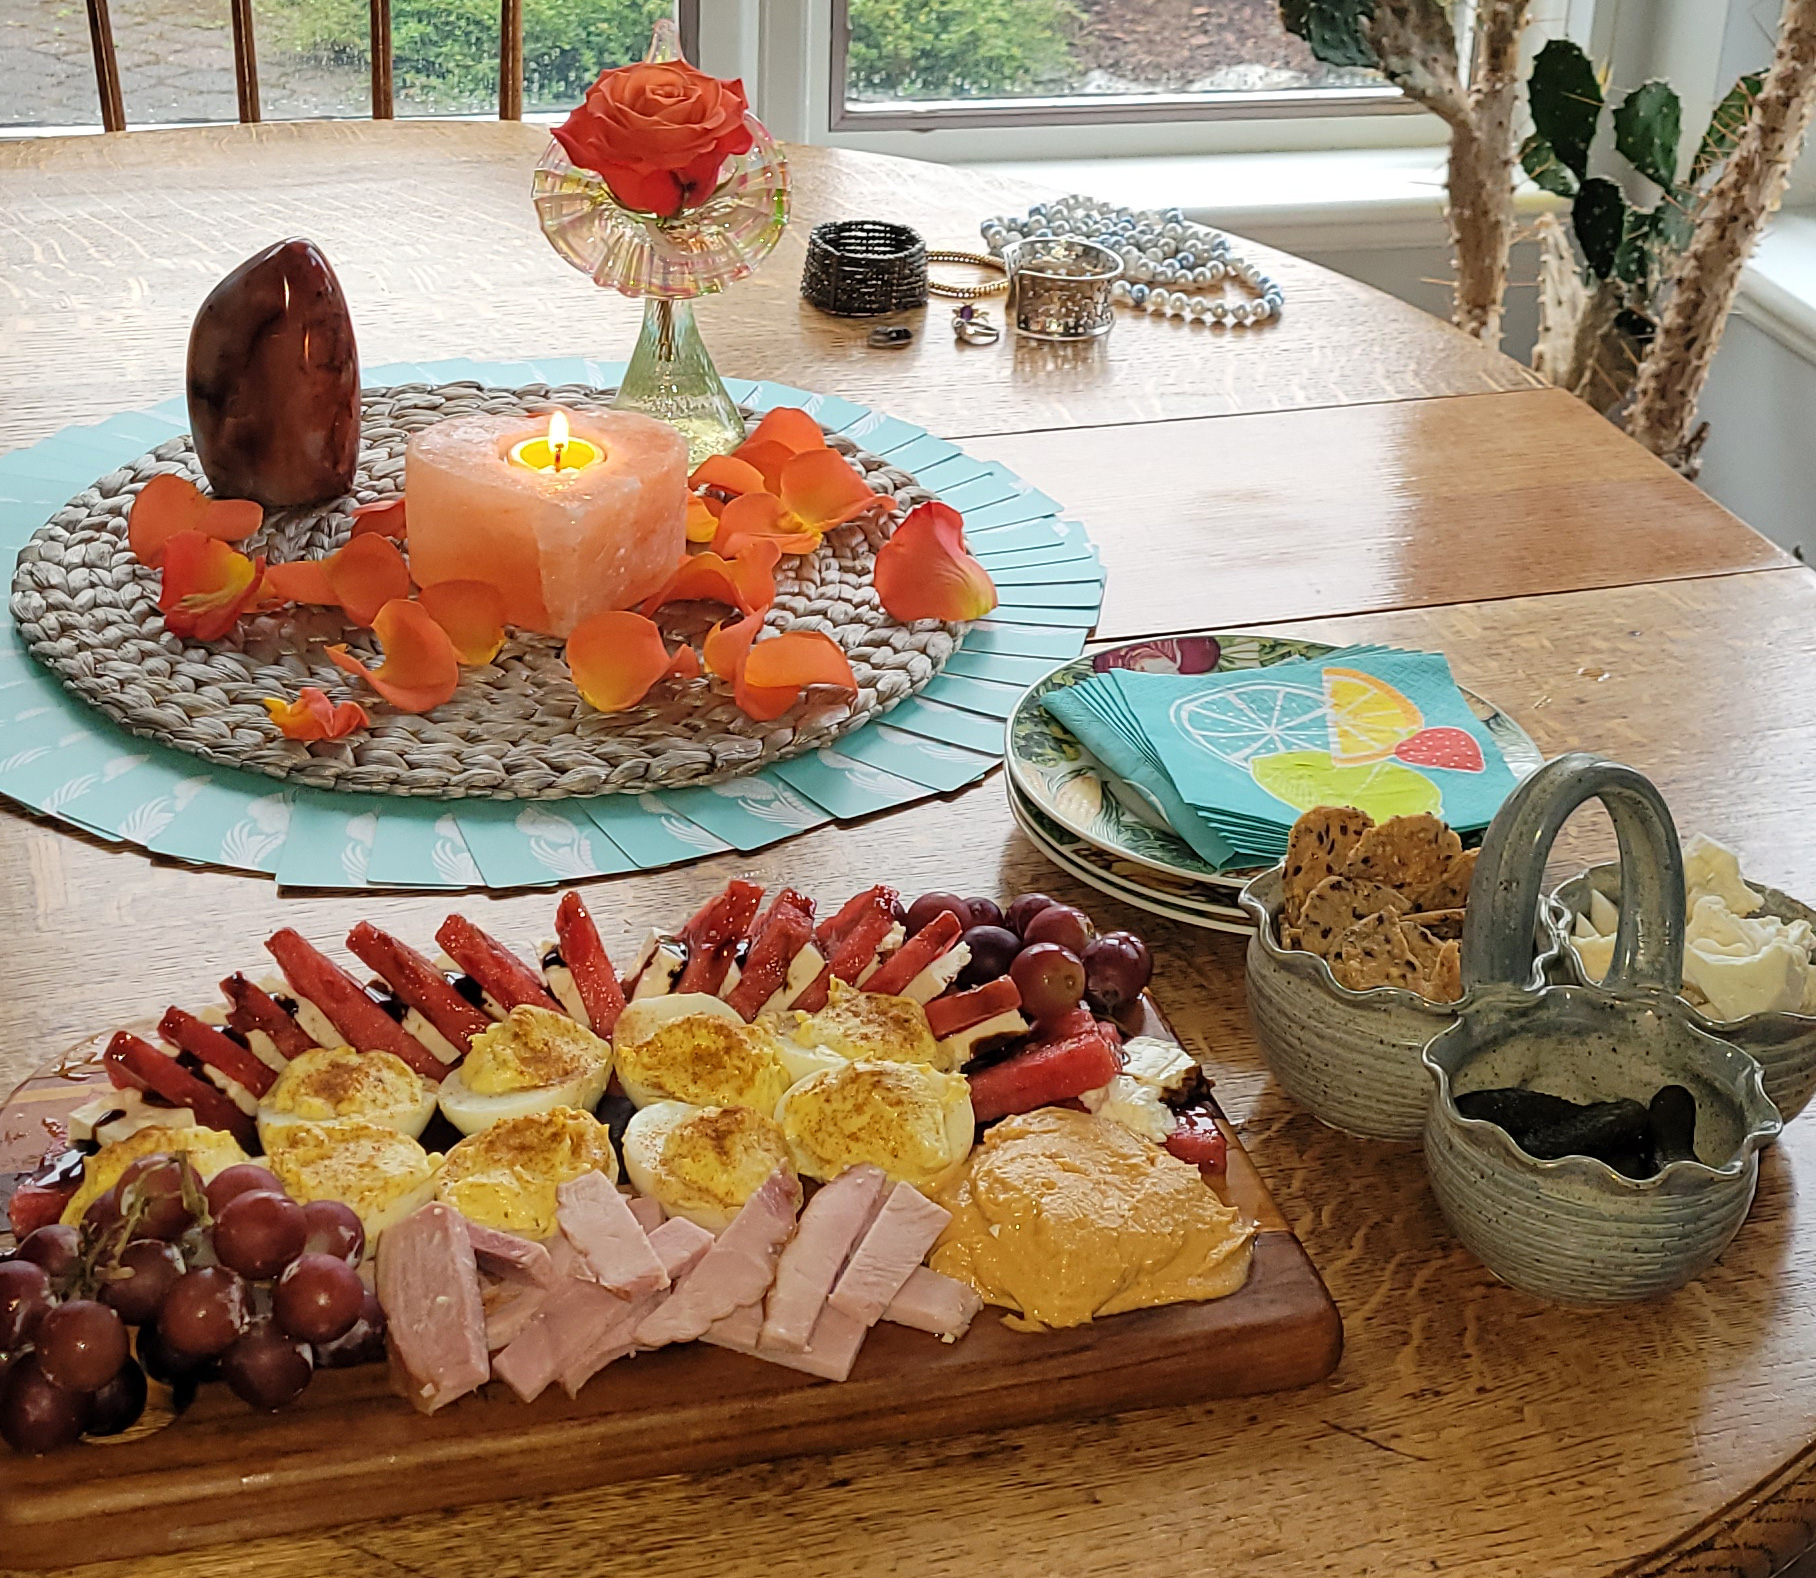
(1499, 930)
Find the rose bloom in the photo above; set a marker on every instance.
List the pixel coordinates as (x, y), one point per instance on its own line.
(658, 133)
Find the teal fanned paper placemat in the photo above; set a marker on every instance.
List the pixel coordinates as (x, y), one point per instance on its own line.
(64, 760)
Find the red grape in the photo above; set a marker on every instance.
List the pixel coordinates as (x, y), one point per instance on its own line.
(24, 1297)
(993, 950)
(240, 1178)
(258, 1234)
(203, 1313)
(318, 1299)
(154, 1268)
(1025, 908)
(334, 1229)
(922, 911)
(1050, 979)
(265, 1368)
(985, 912)
(364, 1344)
(103, 1211)
(1060, 923)
(81, 1344)
(1118, 968)
(117, 1405)
(163, 1363)
(155, 1185)
(57, 1248)
(37, 1415)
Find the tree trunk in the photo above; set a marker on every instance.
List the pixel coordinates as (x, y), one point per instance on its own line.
(1582, 344)
(1707, 276)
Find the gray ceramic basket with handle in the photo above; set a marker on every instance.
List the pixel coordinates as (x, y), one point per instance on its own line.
(1573, 1229)
(1783, 1043)
(1350, 1058)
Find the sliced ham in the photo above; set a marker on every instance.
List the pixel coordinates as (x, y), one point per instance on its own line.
(931, 1302)
(830, 1356)
(599, 1223)
(680, 1245)
(507, 1255)
(737, 1270)
(648, 1212)
(509, 1311)
(428, 1284)
(835, 1219)
(897, 1242)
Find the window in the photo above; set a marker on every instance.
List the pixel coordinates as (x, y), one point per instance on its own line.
(910, 63)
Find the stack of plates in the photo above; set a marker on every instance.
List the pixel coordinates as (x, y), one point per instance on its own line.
(1097, 828)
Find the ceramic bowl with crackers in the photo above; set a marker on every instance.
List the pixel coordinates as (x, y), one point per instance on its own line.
(1782, 1040)
(1356, 963)
(1571, 1227)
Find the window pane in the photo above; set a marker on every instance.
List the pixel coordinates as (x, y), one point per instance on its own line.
(994, 49)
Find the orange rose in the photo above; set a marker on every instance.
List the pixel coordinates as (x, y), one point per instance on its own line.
(658, 132)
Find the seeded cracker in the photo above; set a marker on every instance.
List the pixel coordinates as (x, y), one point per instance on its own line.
(1317, 848)
(1408, 853)
(1375, 952)
(1446, 984)
(1335, 905)
(1451, 891)
(1442, 924)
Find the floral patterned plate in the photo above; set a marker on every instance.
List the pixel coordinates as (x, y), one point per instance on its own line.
(1062, 780)
(1085, 862)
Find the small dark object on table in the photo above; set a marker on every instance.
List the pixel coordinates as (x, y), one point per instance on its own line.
(862, 268)
(892, 337)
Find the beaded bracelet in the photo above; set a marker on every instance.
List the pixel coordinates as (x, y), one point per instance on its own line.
(967, 292)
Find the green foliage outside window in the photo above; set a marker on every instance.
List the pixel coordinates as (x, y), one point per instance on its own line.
(923, 49)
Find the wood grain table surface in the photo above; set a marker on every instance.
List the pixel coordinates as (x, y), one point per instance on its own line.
(1358, 473)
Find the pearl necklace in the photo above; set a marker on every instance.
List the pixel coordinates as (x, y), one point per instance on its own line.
(1165, 258)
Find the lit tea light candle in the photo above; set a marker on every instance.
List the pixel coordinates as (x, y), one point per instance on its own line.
(556, 449)
(567, 514)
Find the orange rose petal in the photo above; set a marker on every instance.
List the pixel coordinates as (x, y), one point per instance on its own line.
(746, 582)
(472, 613)
(366, 575)
(760, 515)
(727, 472)
(313, 717)
(420, 670)
(789, 426)
(767, 460)
(615, 657)
(702, 524)
(725, 645)
(170, 504)
(206, 586)
(300, 581)
(923, 571)
(737, 542)
(383, 518)
(798, 658)
(685, 664)
(823, 491)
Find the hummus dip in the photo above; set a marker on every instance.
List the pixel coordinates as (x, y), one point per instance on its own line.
(1061, 1216)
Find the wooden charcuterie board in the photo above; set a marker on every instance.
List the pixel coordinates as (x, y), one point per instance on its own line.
(350, 1450)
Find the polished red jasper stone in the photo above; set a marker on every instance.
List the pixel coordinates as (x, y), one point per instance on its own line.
(274, 381)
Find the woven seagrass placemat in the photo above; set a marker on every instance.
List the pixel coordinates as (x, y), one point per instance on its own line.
(516, 729)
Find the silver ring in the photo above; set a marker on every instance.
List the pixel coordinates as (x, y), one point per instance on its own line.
(972, 326)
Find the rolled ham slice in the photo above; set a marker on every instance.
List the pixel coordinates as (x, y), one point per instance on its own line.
(897, 1242)
(599, 1223)
(931, 1302)
(428, 1283)
(737, 1270)
(835, 1219)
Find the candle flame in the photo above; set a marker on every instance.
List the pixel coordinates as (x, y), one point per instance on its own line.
(558, 435)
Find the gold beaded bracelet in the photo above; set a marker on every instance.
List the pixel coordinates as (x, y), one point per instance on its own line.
(967, 292)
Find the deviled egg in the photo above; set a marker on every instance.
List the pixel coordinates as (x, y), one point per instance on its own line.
(506, 1175)
(209, 1151)
(381, 1174)
(912, 1121)
(327, 1085)
(702, 1163)
(857, 1024)
(534, 1061)
(693, 1048)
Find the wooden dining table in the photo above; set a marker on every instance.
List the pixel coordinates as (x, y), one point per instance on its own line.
(1357, 471)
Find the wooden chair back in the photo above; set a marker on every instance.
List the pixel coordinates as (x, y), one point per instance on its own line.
(246, 65)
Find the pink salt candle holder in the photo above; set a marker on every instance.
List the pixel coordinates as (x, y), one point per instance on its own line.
(564, 527)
